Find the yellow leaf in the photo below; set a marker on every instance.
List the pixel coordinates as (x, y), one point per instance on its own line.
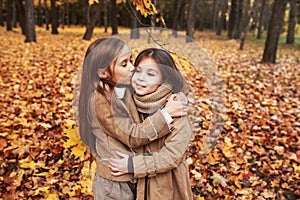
(296, 167)
(39, 190)
(25, 164)
(237, 183)
(146, 7)
(227, 150)
(79, 150)
(52, 196)
(199, 197)
(239, 160)
(45, 125)
(38, 93)
(62, 74)
(86, 185)
(6, 124)
(69, 123)
(74, 142)
(197, 175)
(23, 103)
(69, 96)
(52, 180)
(23, 121)
(42, 174)
(73, 137)
(268, 194)
(71, 193)
(211, 159)
(4, 134)
(245, 191)
(91, 2)
(185, 65)
(274, 183)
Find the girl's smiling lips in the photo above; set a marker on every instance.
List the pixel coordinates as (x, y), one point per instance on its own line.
(139, 86)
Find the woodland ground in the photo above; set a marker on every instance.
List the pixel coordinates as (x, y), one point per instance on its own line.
(256, 155)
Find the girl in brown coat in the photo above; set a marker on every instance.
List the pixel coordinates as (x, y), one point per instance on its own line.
(161, 169)
(107, 63)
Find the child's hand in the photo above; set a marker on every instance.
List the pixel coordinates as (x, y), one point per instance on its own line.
(119, 166)
(177, 105)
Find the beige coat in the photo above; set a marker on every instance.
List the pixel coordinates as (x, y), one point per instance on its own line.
(165, 167)
(116, 129)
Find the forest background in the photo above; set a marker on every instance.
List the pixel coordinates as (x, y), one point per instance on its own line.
(254, 44)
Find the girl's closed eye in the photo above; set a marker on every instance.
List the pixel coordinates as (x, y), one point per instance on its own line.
(150, 74)
(125, 63)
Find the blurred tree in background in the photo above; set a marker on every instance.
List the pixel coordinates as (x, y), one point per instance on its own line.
(234, 17)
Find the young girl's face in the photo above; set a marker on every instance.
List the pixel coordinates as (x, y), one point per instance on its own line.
(147, 77)
(123, 69)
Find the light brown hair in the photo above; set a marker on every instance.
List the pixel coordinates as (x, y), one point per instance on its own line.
(100, 55)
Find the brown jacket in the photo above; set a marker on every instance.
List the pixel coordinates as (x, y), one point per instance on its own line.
(115, 124)
(164, 166)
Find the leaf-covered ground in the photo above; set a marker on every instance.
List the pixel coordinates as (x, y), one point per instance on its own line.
(256, 156)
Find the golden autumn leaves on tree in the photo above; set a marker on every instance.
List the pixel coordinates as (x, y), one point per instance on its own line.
(146, 7)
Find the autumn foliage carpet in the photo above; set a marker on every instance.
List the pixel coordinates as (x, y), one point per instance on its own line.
(257, 155)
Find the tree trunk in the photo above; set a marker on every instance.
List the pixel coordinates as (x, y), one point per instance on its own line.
(63, 14)
(135, 17)
(14, 14)
(105, 17)
(290, 39)
(1, 13)
(239, 23)
(21, 15)
(246, 20)
(232, 18)
(30, 27)
(261, 19)
(39, 14)
(54, 18)
(191, 21)
(222, 18)
(47, 21)
(214, 15)
(178, 7)
(8, 15)
(94, 16)
(274, 30)
(114, 17)
(67, 6)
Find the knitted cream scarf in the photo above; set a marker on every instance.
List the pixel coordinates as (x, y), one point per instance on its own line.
(150, 103)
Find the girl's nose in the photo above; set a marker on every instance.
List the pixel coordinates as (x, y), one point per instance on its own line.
(141, 76)
(131, 67)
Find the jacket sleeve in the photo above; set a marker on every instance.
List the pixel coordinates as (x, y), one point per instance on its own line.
(123, 128)
(169, 156)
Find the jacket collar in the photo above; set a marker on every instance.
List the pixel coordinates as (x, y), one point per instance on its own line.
(120, 92)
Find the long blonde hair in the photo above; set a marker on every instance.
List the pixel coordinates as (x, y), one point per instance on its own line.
(100, 55)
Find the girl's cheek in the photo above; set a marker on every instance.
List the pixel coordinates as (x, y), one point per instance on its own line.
(136, 75)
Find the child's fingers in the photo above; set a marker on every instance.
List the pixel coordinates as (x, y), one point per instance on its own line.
(117, 173)
(122, 155)
(114, 169)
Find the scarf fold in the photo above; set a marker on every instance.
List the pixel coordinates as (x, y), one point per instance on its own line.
(150, 103)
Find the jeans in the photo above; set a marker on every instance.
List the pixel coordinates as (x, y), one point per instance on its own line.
(105, 189)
